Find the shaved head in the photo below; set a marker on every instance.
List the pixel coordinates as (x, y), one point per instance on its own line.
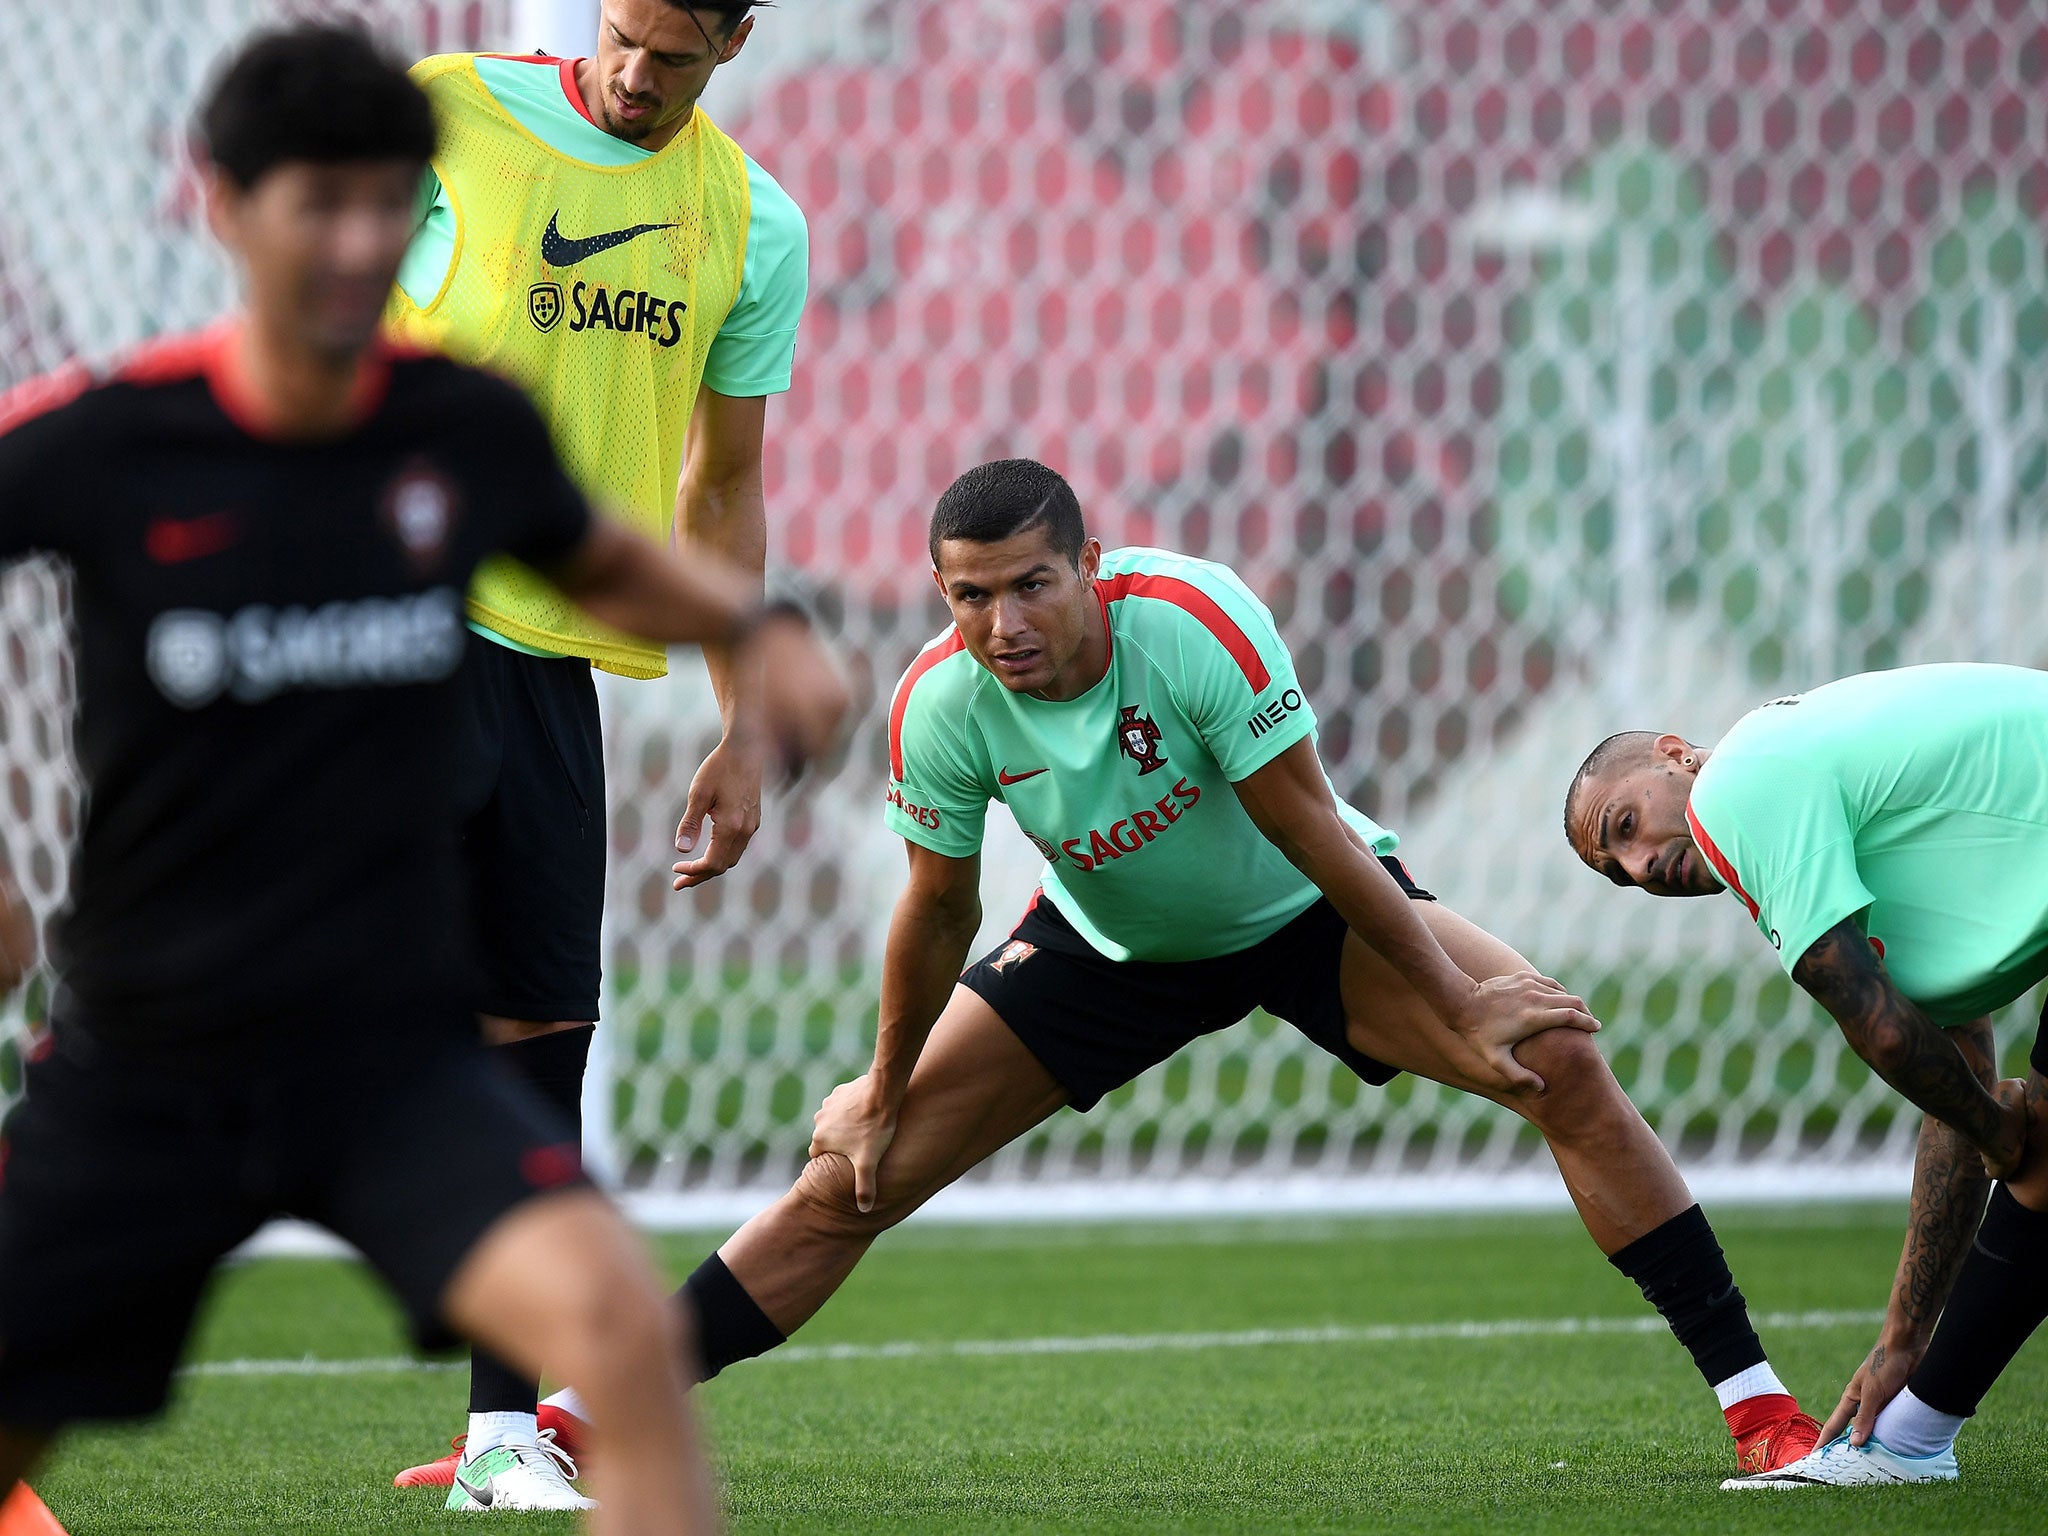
(1619, 752)
(1625, 813)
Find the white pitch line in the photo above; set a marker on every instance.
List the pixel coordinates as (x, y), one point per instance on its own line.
(388, 1365)
(1115, 1343)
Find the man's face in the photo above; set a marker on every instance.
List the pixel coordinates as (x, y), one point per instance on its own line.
(1023, 608)
(1629, 824)
(653, 62)
(320, 245)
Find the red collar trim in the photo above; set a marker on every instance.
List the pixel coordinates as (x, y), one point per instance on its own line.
(236, 393)
(575, 96)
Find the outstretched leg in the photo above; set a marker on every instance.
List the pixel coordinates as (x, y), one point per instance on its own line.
(1629, 1193)
(975, 1089)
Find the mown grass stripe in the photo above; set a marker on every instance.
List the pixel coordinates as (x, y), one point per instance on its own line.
(1112, 1343)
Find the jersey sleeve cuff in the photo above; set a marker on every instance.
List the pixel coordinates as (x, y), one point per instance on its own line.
(1297, 727)
(1792, 947)
(937, 839)
(747, 389)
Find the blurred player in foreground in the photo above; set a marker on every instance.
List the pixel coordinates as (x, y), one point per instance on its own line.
(587, 232)
(1141, 716)
(264, 1004)
(1888, 834)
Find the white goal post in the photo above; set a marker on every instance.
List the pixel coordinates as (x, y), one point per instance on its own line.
(1551, 367)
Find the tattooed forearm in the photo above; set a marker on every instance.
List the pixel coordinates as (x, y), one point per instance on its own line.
(1908, 1049)
(1949, 1185)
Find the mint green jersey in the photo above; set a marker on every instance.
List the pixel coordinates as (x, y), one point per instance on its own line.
(1126, 789)
(1914, 801)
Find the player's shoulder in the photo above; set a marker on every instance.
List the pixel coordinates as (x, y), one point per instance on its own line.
(940, 682)
(1178, 582)
(770, 207)
(78, 395)
(438, 67)
(934, 699)
(1157, 594)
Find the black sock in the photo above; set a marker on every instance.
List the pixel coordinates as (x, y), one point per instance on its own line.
(730, 1326)
(553, 1065)
(2000, 1298)
(1683, 1274)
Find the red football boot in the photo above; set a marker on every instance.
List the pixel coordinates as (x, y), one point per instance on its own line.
(1770, 1432)
(433, 1474)
(571, 1434)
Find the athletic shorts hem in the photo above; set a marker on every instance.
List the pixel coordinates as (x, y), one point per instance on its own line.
(1095, 1024)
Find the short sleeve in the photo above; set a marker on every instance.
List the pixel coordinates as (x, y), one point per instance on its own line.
(425, 267)
(1237, 677)
(937, 797)
(42, 461)
(754, 352)
(1778, 836)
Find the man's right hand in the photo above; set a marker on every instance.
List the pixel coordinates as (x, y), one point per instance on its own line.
(17, 934)
(1503, 1011)
(857, 1123)
(800, 693)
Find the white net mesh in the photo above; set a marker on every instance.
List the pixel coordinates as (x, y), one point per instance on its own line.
(1551, 367)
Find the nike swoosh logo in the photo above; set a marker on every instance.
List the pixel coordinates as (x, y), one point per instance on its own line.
(174, 540)
(1004, 776)
(484, 1495)
(558, 250)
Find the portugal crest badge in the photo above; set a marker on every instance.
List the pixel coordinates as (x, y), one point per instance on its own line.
(1138, 737)
(544, 305)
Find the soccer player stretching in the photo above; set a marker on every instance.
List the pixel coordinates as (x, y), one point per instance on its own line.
(1140, 716)
(263, 1003)
(1889, 835)
(589, 233)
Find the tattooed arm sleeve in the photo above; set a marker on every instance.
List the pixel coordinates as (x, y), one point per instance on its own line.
(1905, 1047)
(1949, 1185)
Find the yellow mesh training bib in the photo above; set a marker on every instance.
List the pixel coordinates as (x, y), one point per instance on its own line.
(597, 289)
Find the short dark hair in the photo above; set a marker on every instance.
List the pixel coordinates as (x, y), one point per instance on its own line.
(1621, 750)
(730, 12)
(323, 93)
(992, 502)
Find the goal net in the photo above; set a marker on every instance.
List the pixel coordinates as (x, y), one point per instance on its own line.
(1551, 367)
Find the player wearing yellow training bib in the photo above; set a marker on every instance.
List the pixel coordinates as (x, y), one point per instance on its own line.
(588, 232)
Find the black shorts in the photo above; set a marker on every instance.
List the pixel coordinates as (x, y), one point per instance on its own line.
(2038, 1059)
(126, 1174)
(531, 789)
(1096, 1023)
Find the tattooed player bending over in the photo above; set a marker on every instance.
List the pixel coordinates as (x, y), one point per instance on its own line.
(1889, 835)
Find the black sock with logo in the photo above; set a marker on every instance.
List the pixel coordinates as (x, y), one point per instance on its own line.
(1681, 1271)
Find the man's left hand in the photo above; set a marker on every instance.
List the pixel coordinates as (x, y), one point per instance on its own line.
(727, 791)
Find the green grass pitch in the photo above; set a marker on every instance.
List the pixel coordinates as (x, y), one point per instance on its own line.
(1389, 1424)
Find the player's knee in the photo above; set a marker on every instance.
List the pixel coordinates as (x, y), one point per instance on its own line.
(1579, 1090)
(825, 1190)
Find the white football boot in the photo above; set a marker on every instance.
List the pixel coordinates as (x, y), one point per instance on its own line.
(517, 1477)
(1838, 1464)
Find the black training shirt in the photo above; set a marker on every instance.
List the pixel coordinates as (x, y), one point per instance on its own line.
(267, 635)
